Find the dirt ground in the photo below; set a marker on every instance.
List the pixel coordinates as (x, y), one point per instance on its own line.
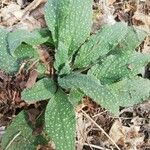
(97, 129)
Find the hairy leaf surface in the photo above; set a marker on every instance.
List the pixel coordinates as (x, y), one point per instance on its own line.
(60, 121)
(131, 91)
(75, 97)
(92, 88)
(7, 62)
(25, 52)
(70, 25)
(42, 90)
(117, 37)
(18, 135)
(116, 67)
(15, 39)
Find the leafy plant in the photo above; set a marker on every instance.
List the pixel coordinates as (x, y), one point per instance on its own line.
(103, 66)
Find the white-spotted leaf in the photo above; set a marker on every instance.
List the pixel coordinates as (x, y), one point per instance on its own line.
(42, 90)
(7, 62)
(131, 91)
(16, 38)
(60, 121)
(26, 52)
(92, 88)
(117, 67)
(117, 37)
(75, 97)
(70, 25)
(18, 135)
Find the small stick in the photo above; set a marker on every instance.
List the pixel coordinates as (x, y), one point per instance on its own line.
(12, 140)
(88, 117)
(91, 145)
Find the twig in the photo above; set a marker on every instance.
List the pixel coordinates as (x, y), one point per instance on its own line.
(32, 6)
(88, 117)
(91, 145)
(12, 140)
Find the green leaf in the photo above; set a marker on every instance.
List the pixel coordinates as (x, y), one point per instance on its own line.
(130, 42)
(75, 97)
(131, 91)
(70, 25)
(42, 90)
(11, 64)
(60, 121)
(18, 135)
(16, 37)
(117, 67)
(117, 37)
(41, 69)
(24, 52)
(92, 88)
(7, 62)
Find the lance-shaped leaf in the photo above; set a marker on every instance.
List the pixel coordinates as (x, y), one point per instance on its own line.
(60, 121)
(18, 135)
(75, 97)
(130, 42)
(106, 40)
(34, 38)
(70, 25)
(131, 91)
(7, 62)
(42, 90)
(116, 67)
(92, 88)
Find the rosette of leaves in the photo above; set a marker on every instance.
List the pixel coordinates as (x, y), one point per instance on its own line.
(103, 66)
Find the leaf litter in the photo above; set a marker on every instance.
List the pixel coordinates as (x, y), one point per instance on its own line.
(130, 130)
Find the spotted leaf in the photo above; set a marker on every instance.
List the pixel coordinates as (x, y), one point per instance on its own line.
(25, 52)
(19, 36)
(70, 25)
(117, 67)
(131, 91)
(7, 62)
(108, 39)
(75, 96)
(92, 88)
(18, 135)
(60, 121)
(42, 90)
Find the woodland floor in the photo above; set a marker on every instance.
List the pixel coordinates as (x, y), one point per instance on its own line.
(97, 129)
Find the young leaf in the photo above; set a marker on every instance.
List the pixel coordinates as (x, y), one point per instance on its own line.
(70, 25)
(60, 121)
(42, 90)
(106, 40)
(41, 69)
(92, 88)
(131, 91)
(24, 52)
(117, 67)
(7, 62)
(18, 135)
(15, 39)
(75, 97)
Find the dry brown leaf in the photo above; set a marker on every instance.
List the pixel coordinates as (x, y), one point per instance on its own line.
(32, 79)
(110, 2)
(9, 14)
(81, 131)
(141, 21)
(132, 137)
(117, 134)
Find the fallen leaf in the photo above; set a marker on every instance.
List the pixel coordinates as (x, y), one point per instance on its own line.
(117, 134)
(32, 78)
